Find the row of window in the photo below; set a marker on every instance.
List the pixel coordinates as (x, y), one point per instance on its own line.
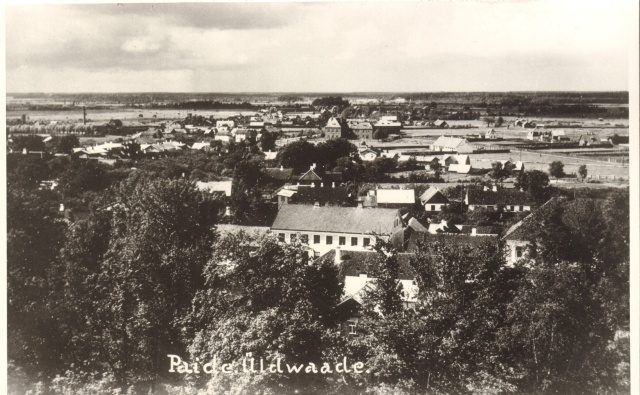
(342, 240)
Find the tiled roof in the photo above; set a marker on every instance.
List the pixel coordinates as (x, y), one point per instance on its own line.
(524, 229)
(335, 219)
(310, 176)
(433, 195)
(490, 198)
(278, 174)
(326, 195)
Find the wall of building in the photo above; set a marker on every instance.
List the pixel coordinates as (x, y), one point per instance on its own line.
(516, 249)
(434, 207)
(322, 247)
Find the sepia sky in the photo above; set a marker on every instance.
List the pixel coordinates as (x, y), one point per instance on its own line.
(319, 47)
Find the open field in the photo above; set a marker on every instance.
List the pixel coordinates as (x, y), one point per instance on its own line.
(123, 114)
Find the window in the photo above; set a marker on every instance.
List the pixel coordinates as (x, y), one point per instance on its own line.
(433, 207)
(352, 328)
(292, 236)
(365, 241)
(354, 241)
(281, 237)
(519, 251)
(329, 240)
(304, 239)
(316, 239)
(342, 240)
(521, 208)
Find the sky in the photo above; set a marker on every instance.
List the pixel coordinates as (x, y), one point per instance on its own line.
(491, 45)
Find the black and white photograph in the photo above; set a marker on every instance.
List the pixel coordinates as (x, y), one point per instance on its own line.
(364, 197)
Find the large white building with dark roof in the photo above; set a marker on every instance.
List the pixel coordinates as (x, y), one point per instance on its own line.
(324, 228)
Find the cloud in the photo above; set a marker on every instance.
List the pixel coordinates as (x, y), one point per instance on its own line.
(366, 46)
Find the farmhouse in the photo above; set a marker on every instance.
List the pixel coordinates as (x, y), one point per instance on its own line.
(369, 154)
(324, 228)
(512, 201)
(433, 200)
(441, 124)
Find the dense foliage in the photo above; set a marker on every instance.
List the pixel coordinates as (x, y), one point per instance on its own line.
(96, 303)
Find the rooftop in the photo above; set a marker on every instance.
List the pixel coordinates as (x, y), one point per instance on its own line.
(335, 219)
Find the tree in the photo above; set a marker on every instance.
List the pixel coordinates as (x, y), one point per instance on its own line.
(161, 240)
(299, 155)
(30, 143)
(66, 144)
(499, 121)
(268, 141)
(83, 176)
(556, 169)
(270, 301)
(535, 183)
(498, 173)
(582, 172)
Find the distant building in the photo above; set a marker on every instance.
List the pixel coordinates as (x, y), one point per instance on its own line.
(441, 124)
(334, 129)
(361, 130)
(451, 144)
(369, 155)
(394, 197)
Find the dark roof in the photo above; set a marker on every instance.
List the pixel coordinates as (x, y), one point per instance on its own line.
(327, 195)
(433, 195)
(525, 229)
(278, 174)
(335, 219)
(505, 197)
(313, 175)
(353, 263)
(310, 176)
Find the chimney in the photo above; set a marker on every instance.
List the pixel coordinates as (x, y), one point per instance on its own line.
(473, 231)
(84, 115)
(24, 151)
(338, 258)
(313, 166)
(495, 188)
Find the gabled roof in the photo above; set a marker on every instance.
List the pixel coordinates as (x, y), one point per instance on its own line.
(395, 196)
(433, 195)
(310, 175)
(335, 219)
(416, 225)
(449, 142)
(528, 226)
(460, 169)
(333, 123)
(278, 173)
